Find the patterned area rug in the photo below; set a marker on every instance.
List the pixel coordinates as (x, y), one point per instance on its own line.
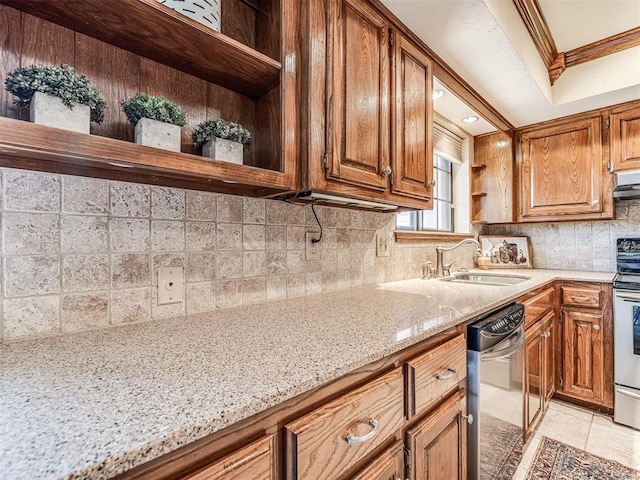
(501, 448)
(557, 461)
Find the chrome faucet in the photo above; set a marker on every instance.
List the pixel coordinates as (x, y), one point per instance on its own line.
(443, 270)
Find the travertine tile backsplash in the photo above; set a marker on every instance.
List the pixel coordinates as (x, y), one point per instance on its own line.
(586, 246)
(81, 254)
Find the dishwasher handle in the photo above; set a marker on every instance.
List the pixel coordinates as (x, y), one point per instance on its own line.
(505, 352)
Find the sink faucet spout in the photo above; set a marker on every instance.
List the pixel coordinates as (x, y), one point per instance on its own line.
(442, 269)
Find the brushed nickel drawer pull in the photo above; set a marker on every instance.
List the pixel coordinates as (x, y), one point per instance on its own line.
(447, 376)
(352, 440)
(579, 298)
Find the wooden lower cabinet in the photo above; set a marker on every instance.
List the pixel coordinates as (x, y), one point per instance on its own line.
(437, 446)
(389, 465)
(534, 383)
(583, 354)
(255, 462)
(549, 353)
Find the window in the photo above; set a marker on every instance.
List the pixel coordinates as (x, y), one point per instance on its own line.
(451, 186)
(441, 217)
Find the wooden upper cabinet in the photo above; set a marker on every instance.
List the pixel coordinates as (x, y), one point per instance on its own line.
(625, 138)
(412, 155)
(563, 173)
(255, 462)
(492, 189)
(358, 84)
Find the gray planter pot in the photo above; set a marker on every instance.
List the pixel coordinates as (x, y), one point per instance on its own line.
(223, 150)
(153, 133)
(49, 110)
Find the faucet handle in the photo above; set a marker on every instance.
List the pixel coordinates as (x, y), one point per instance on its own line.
(427, 270)
(446, 268)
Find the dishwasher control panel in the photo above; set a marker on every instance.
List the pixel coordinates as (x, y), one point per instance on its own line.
(488, 330)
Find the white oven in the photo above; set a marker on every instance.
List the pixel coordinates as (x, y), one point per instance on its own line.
(626, 333)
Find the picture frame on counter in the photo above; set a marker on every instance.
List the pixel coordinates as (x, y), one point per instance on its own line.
(507, 251)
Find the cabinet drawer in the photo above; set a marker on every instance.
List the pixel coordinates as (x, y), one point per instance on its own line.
(536, 306)
(582, 297)
(254, 462)
(434, 373)
(331, 439)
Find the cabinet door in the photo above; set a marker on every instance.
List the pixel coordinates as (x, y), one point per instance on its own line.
(549, 342)
(562, 171)
(533, 365)
(438, 444)
(625, 139)
(358, 83)
(412, 165)
(583, 354)
(387, 466)
(255, 462)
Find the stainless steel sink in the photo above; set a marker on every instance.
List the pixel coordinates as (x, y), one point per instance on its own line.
(485, 279)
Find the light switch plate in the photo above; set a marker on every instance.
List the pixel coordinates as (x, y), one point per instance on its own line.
(382, 245)
(169, 285)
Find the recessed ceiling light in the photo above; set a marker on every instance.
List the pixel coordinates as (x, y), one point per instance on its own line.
(437, 94)
(470, 119)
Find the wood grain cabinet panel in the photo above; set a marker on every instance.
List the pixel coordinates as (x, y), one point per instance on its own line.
(359, 85)
(563, 173)
(438, 445)
(255, 462)
(625, 138)
(583, 354)
(433, 374)
(533, 365)
(332, 439)
(492, 173)
(536, 306)
(582, 297)
(389, 465)
(412, 165)
(549, 352)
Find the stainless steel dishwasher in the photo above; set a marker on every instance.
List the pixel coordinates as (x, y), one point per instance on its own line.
(495, 374)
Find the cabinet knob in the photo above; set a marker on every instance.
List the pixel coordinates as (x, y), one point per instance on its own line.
(386, 170)
(468, 418)
(595, 202)
(596, 327)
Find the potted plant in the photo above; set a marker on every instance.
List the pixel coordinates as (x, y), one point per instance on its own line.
(222, 140)
(57, 96)
(157, 121)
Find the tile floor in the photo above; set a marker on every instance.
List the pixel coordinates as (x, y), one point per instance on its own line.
(584, 429)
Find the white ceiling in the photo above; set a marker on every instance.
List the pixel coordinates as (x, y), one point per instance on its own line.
(487, 44)
(453, 109)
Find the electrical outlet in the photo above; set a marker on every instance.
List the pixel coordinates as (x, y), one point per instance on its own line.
(169, 285)
(313, 249)
(382, 245)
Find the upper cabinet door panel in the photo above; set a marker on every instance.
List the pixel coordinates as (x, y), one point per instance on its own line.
(358, 95)
(625, 139)
(412, 118)
(562, 170)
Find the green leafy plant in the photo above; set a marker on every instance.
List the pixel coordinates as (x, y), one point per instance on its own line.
(60, 81)
(217, 127)
(156, 108)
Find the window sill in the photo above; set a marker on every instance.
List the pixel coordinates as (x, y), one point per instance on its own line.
(409, 236)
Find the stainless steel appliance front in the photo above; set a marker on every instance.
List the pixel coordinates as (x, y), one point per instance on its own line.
(495, 376)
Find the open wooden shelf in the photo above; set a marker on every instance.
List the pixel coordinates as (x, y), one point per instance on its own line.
(478, 166)
(478, 194)
(35, 147)
(154, 31)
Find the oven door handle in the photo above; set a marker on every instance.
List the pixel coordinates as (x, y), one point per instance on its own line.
(628, 393)
(505, 352)
(628, 296)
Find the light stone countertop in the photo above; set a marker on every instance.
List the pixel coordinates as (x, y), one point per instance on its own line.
(95, 404)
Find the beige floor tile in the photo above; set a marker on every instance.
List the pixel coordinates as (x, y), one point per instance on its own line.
(566, 425)
(615, 442)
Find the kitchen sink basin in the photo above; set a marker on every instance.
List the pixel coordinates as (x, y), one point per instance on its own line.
(486, 279)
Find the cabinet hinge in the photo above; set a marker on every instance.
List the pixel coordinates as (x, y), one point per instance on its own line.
(607, 122)
(407, 460)
(325, 162)
(391, 179)
(561, 382)
(390, 38)
(609, 167)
